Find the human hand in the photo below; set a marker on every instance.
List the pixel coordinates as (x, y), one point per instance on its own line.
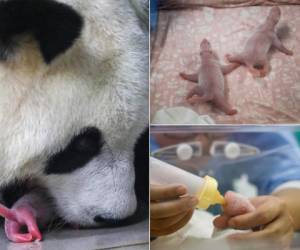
(170, 209)
(270, 221)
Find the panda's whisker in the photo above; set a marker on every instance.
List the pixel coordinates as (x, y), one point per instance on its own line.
(56, 225)
(113, 165)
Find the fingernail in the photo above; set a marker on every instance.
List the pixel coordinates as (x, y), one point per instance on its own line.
(193, 202)
(181, 190)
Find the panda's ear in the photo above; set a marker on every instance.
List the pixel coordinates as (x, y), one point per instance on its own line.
(54, 25)
(58, 29)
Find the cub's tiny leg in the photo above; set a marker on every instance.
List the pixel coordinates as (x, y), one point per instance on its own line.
(189, 77)
(226, 69)
(278, 45)
(199, 99)
(235, 58)
(197, 90)
(222, 104)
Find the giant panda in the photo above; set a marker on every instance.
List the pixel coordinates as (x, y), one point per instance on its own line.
(74, 106)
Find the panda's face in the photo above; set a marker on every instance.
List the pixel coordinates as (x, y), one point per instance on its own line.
(91, 182)
(91, 177)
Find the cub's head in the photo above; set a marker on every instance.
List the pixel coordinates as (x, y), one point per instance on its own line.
(206, 50)
(274, 15)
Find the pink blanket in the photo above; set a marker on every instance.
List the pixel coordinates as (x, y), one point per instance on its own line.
(169, 4)
(273, 99)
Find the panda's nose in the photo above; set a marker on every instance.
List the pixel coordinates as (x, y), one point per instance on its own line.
(100, 219)
(113, 222)
(116, 222)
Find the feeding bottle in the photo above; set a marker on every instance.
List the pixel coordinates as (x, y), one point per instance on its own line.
(205, 189)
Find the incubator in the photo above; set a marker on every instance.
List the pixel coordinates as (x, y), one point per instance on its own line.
(247, 160)
(186, 151)
(232, 150)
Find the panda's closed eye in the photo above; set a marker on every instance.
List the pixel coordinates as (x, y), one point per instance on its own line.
(81, 149)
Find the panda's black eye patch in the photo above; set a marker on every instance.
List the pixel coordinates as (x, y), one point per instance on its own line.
(81, 149)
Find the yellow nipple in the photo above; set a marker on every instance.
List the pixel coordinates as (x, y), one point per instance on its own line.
(209, 194)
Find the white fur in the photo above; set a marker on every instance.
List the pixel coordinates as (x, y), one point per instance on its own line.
(104, 187)
(102, 81)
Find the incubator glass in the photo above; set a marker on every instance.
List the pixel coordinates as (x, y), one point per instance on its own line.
(239, 159)
(183, 151)
(232, 150)
(188, 150)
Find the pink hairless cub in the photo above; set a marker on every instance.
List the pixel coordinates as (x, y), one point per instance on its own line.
(210, 79)
(236, 204)
(24, 214)
(255, 53)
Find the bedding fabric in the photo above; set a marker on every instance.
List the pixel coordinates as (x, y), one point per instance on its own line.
(222, 3)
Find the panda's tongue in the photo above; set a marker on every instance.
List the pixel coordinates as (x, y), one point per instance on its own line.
(7, 213)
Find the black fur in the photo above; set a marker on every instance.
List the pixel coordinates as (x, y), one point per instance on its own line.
(78, 152)
(54, 25)
(14, 191)
(141, 164)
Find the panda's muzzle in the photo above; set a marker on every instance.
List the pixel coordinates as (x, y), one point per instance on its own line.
(55, 26)
(140, 214)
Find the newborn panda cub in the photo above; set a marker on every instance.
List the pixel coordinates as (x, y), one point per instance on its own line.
(255, 55)
(29, 208)
(210, 80)
(236, 204)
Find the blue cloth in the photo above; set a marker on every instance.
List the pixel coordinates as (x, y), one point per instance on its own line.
(153, 144)
(264, 141)
(153, 14)
(278, 163)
